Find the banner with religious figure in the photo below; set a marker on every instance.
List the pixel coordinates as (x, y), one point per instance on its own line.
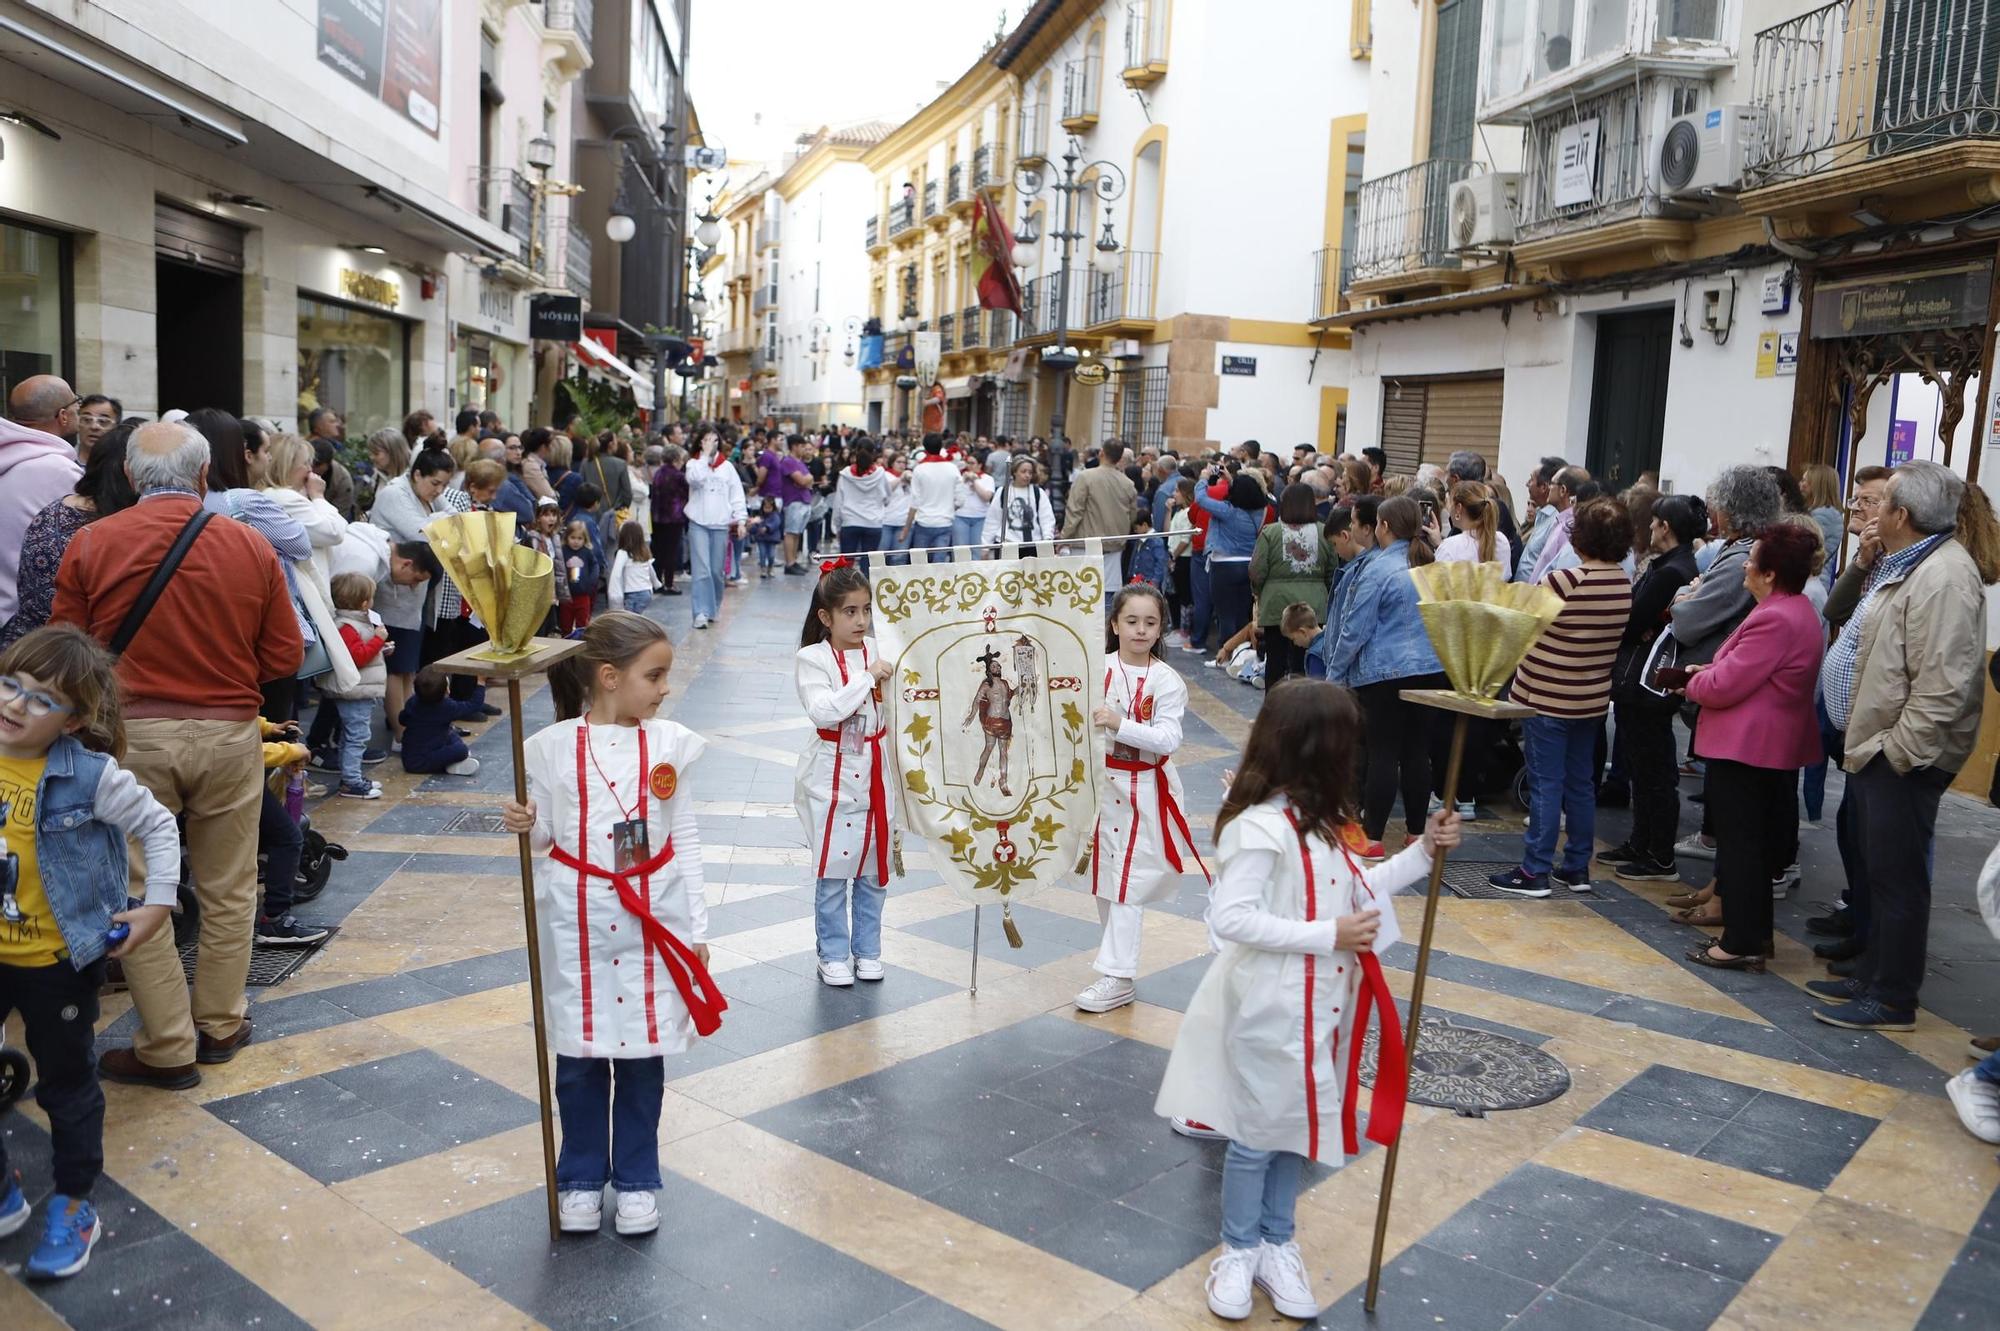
(998, 668)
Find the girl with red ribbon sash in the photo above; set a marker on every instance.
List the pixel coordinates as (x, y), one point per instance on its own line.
(842, 789)
(1269, 1052)
(620, 909)
(1142, 845)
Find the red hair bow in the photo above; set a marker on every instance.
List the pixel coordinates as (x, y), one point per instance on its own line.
(1135, 580)
(827, 566)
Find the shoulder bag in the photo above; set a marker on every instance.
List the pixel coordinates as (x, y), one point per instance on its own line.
(149, 595)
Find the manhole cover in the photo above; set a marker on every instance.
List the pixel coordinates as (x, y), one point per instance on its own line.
(268, 965)
(1468, 878)
(1473, 1071)
(473, 823)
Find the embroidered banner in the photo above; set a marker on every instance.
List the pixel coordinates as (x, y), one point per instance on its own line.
(998, 668)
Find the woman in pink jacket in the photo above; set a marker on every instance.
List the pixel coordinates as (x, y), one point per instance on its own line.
(1757, 729)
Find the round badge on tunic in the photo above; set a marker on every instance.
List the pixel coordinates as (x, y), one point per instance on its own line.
(664, 781)
(1143, 712)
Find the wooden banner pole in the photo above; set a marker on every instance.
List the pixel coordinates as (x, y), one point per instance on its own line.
(975, 951)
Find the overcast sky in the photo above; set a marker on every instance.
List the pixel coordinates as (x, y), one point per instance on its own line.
(762, 71)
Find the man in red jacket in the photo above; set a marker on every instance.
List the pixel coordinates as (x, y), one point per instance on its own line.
(190, 682)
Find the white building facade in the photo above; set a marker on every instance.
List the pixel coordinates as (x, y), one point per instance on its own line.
(813, 213)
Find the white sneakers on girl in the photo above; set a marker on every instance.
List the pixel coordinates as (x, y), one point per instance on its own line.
(466, 766)
(868, 968)
(1281, 1273)
(1978, 1105)
(837, 974)
(1110, 992)
(638, 1213)
(1228, 1283)
(580, 1212)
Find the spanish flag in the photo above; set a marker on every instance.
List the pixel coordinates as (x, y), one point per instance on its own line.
(993, 258)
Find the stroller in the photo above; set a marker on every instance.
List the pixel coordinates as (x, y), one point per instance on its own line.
(317, 856)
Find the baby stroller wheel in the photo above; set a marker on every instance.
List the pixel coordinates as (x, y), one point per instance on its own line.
(187, 920)
(13, 1077)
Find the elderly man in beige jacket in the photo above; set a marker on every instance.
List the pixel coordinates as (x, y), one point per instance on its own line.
(1103, 502)
(1905, 681)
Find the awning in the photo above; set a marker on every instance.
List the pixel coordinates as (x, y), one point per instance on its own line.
(957, 388)
(597, 358)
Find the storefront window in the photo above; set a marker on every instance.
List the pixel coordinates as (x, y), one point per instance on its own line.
(34, 309)
(354, 361)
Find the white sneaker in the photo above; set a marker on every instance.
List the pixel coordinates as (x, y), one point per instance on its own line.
(395, 746)
(1228, 1283)
(1281, 1273)
(1110, 991)
(701, 621)
(838, 974)
(868, 968)
(1978, 1105)
(580, 1212)
(1694, 847)
(638, 1213)
(1787, 879)
(1200, 1132)
(465, 766)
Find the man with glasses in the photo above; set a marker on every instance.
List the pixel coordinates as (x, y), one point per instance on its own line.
(37, 467)
(95, 416)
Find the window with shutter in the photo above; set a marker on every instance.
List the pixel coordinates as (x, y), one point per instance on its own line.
(1454, 80)
(1403, 425)
(1463, 414)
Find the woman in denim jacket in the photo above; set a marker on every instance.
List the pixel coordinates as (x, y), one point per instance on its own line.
(1381, 650)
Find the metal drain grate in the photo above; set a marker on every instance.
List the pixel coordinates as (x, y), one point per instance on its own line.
(268, 965)
(1474, 1072)
(1467, 878)
(473, 822)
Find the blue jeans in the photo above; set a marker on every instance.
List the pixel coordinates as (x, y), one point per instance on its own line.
(1260, 1191)
(357, 721)
(707, 549)
(1198, 624)
(859, 541)
(931, 538)
(892, 539)
(636, 602)
(967, 531)
(836, 942)
(1562, 758)
(1988, 1068)
(610, 1124)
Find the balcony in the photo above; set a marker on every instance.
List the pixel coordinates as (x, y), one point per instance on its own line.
(947, 325)
(902, 217)
(970, 332)
(983, 166)
(1145, 42)
(568, 24)
(1031, 148)
(1039, 306)
(1628, 119)
(1002, 328)
(576, 259)
(736, 340)
(955, 194)
(874, 231)
(1125, 294)
(930, 199)
(1331, 275)
(767, 234)
(1083, 81)
(1535, 50)
(765, 297)
(1402, 225)
(507, 200)
(1854, 86)
(763, 359)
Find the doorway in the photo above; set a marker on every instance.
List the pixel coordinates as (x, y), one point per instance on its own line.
(200, 337)
(1628, 396)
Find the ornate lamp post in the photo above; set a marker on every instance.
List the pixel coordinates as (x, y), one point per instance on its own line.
(1108, 184)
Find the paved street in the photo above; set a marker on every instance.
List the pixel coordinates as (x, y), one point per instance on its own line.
(908, 1156)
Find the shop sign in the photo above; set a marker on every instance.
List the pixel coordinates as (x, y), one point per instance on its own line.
(557, 318)
(496, 300)
(392, 49)
(1244, 365)
(1902, 442)
(1090, 372)
(1953, 297)
(1576, 164)
(370, 289)
(697, 350)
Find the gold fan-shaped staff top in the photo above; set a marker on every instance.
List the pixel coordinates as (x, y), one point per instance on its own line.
(1480, 624)
(509, 586)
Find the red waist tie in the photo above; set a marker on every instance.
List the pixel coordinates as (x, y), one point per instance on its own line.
(1392, 1064)
(878, 801)
(685, 968)
(1170, 811)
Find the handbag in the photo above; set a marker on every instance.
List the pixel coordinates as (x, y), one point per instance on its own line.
(316, 661)
(623, 515)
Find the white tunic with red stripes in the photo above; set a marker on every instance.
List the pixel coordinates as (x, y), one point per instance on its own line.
(606, 994)
(1141, 821)
(1263, 1053)
(847, 758)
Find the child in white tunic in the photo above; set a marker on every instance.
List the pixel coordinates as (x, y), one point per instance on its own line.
(620, 911)
(1136, 855)
(842, 790)
(1268, 1053)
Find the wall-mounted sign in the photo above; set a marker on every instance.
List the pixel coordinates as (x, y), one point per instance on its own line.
(1090, 372)
(1767, 355)
(496, 300)
(557, 318)
(697, 349)
(1246, 365)
(1902, 442)
(1788, 353)
(1951, 297)
(1777, 293)
(369, 289)
(1576, 164)
(394, 49)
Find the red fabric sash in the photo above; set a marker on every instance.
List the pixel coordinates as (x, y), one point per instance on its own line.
(1392, 1055)
(697, 987)
(878, 797)
(1171, 818)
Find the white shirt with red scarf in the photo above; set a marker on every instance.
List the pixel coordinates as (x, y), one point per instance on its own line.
(607, 993)
(1143, 845)
(845, 791)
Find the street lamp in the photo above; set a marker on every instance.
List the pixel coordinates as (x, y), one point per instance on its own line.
(707, 233)
(1108, 184)
(541, 152)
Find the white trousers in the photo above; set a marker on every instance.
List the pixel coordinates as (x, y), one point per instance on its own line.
(1118, 954)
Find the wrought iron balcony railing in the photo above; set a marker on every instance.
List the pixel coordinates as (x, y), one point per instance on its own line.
(1861, 79)
(1124, 293)
(1145, 39)
(1628, 145)
(1002, 328)
(1403, 220)
(874, 230)
(576, 259)
(1082, 81)
(1331, 274)
(947, 325)
(930, 198)
(1033, 143)
(902, 216)
(971, 333)
(954, 183)
(507, 200)
(983, 165)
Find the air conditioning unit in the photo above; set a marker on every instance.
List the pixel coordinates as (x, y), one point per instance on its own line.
(1708, 150)
(1482, 210)
(1125, 348)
